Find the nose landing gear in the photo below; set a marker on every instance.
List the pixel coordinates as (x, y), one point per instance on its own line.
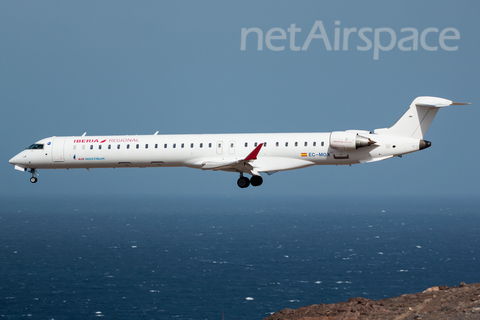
(244, 182)
(34, 173)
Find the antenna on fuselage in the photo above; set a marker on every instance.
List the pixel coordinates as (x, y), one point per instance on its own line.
(83, 135)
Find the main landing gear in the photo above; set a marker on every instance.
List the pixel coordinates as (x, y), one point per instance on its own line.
(244, 182)
(34, 173)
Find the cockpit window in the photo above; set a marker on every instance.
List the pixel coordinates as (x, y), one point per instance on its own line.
(36, 146)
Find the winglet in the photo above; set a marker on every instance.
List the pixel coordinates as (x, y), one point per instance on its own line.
(254, 153)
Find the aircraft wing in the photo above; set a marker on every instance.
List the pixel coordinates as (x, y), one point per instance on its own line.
(242, 165)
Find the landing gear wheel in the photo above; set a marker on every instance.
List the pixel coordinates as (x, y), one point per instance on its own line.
(34, 173)
(256, 181)
(243, 182)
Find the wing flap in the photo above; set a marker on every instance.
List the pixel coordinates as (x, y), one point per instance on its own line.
(212, 165)
(239, 165)
(242, 165)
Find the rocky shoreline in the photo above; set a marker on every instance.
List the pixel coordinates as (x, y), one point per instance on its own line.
(439, 303)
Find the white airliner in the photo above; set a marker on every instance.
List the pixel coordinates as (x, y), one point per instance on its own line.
(251, 154)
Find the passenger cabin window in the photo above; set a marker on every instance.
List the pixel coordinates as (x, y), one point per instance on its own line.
(156, 145)
(264, 144)
(286, 144)
(146, 146)
(191, 145)
(314, 143)
(201, 145)
(174, 145)
(255, 144)
(109, 146)
(296, 144)
(322, 143)
(36, 146)
(99, 147)
(183, 145)
(91, 147)
(276, 144)
(118, 146)
(138, 146)
(231, 145)
(246, 144)
(305, 143)
(128, 146)
(165, 146)
(210, 145)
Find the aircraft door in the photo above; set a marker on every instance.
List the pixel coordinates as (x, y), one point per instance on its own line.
(231, 147)
(57, 149)
(219, 147)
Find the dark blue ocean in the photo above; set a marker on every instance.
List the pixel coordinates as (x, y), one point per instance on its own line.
(188, 257)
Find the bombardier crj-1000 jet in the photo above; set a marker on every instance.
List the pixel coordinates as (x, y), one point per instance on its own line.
(251, 153)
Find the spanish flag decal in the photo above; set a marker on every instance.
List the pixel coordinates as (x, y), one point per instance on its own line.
(303, 154)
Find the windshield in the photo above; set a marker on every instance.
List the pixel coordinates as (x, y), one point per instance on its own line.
(36, 146)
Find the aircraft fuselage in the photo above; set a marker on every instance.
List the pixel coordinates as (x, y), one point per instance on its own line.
(250, 153)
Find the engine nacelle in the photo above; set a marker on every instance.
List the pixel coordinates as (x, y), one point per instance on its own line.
(343, 140)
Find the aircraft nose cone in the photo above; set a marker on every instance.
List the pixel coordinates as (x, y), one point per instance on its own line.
(18, 159)
(13, 160)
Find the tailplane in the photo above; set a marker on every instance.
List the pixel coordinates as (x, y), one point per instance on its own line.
(415, 122)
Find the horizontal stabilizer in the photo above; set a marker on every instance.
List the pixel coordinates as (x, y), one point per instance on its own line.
(440, 105)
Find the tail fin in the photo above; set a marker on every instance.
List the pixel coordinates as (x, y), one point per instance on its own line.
(415, 122)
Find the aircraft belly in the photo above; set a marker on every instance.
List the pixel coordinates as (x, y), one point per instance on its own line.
(268, 164)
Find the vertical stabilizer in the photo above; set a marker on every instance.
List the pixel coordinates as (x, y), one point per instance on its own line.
(415, 122)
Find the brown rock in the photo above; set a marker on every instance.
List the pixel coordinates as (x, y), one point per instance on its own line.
(432, 289)
(442, 303)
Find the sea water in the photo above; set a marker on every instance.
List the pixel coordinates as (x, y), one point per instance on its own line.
(217, 257)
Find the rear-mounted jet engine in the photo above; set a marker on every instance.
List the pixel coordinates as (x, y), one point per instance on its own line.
(342, 140)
